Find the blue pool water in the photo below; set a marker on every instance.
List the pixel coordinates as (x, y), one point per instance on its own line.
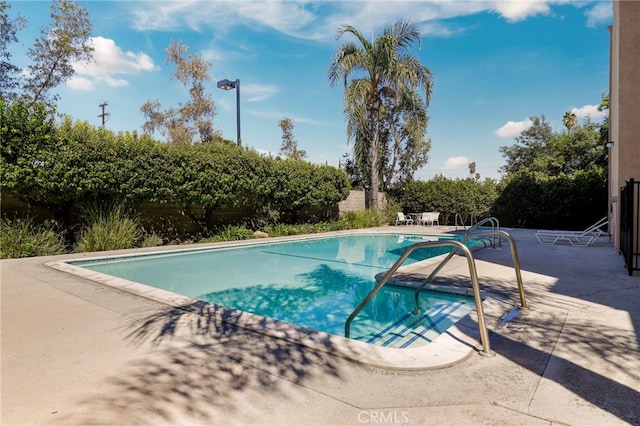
(315, 283)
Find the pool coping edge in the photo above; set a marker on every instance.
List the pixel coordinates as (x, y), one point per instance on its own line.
(450, 348)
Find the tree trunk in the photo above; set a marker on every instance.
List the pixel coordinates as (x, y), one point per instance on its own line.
(374, 181)
(374, 154)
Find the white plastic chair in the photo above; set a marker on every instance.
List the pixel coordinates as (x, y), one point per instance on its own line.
(435, 218)
(430, 218)
(401, 219)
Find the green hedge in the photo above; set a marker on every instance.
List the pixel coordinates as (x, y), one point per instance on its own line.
(559, 202)
(63, 166)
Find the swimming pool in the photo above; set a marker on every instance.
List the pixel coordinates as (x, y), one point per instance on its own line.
(312, 282)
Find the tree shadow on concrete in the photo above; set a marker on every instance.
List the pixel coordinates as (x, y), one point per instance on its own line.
(594, 274)
(609, 384)
(199, 365)
(592, 359)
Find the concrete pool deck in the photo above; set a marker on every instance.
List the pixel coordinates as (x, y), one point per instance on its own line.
(79, 352)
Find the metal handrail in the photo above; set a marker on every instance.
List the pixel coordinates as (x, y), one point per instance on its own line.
(458, 215)
(472, 219)
(495, 226)
(484, 334)
(495, 223)
(514, 256)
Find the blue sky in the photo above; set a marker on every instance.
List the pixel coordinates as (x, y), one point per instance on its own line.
(495, 63)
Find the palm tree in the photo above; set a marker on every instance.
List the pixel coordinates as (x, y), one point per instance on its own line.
(374, 73)
(569, 119)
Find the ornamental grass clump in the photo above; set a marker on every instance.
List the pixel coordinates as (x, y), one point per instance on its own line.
(363, 219)
(23, 238)
(231, 233)
(111, 228)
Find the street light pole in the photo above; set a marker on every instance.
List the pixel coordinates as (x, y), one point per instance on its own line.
(228, 85)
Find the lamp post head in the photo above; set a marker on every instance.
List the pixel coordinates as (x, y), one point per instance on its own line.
(226, 84)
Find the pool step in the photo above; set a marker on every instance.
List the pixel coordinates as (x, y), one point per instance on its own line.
(415, 330)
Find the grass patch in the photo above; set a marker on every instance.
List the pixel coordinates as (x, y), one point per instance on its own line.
(153, 240)
(23, 238)
(364, 219)
(110, 228)
(230, 233)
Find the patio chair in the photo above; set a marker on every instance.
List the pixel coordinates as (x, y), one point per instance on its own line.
(431, 218)
(435, 218)
(575, 238)
(401, 219)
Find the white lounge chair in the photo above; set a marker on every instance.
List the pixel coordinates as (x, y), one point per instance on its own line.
(401, 219)
(575, 238)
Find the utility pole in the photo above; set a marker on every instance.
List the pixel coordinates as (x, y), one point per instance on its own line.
(104, 115)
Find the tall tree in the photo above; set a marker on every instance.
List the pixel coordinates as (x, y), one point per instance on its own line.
(65, 42)
(529, 146)
(8, 34)
(372, 73)
(403, 138)
(542, 152)
(181, 124)
(604, 128)
(289, 147)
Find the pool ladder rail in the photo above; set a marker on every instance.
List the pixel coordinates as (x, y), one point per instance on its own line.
(495, 226)
(459, 221)
(473, 274)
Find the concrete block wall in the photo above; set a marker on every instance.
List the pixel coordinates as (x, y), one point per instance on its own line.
(356, 202)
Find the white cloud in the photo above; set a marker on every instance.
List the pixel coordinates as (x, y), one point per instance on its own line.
(590, 111)
(286, 17)
(114, 82)
(601, 13)
(257, 92)
(456, 163)
(278, 115)
(513, 128)
(172, 15)
(518, 10)
(80, 83)
(320, 20)
(109, 61)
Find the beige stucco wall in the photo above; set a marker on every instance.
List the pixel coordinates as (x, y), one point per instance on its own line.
(356, 202)
(624, 155)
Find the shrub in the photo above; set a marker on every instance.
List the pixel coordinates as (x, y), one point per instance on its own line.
(364, 219)
(22, 238)
(555, 202)
(320, 227)
(277, 230)
(152, 240)
(60, 166)
(108, 229)
(391, 208)
(231, 233)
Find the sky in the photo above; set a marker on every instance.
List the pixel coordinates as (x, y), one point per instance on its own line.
(494, 65)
